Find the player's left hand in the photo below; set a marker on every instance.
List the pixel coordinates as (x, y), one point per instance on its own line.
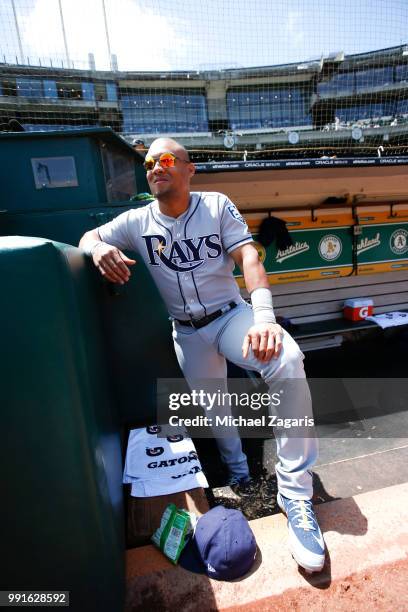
(265, 340)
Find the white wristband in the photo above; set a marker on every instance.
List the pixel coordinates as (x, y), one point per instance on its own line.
(89, 248)
(261, 300)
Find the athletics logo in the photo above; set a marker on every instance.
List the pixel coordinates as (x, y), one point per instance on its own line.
(183, 255)
(330, 247)
(261, 251)
(290, 251)
(368, 243)
(399, 241)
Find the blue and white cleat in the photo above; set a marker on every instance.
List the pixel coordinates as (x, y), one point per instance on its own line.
(239, 480)
(305, 538)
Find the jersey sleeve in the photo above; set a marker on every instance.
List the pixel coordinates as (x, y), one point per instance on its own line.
(117, 232)
(234, 229)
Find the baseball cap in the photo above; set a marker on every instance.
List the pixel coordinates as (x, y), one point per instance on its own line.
(223, 545)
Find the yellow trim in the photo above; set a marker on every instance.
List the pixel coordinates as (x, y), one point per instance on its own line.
(302, 219)
(306, 275)
(390, 266)
(369, 215)
(301, 275)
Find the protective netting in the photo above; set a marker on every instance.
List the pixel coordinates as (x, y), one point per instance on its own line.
(229, 78)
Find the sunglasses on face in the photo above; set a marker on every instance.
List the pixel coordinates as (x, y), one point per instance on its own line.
(166, 160)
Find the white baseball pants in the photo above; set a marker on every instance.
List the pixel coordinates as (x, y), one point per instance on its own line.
(202, 354)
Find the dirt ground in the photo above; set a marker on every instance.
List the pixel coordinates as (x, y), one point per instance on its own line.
(378, 589)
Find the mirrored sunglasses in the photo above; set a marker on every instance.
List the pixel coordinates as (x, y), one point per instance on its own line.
(166, 160)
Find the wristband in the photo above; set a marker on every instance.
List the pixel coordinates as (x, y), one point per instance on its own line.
(261, 300)
(89, 249)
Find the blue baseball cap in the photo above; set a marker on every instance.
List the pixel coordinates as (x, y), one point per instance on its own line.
(223, 545)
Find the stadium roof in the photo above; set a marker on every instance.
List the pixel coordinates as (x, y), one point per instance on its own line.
(295, 68)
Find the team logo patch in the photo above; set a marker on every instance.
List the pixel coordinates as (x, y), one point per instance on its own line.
(330, 247)
(153, 429)
(234, 212)
(399, 241)
(176, 438)
(155, 452)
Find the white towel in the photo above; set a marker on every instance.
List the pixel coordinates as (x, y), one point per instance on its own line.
(159, 466)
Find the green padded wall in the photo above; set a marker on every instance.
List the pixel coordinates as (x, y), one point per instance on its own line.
(61, 508)
(136, 326)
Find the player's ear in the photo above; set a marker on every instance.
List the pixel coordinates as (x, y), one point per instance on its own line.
(191, 169)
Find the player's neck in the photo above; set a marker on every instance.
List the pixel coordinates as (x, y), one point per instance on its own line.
(173, 206)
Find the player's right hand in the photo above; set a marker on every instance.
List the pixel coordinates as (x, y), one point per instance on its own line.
(112, 263)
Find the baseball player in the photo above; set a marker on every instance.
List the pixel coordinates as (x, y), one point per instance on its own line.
(190, 243)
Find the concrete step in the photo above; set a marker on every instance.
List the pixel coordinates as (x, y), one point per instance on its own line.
(366, 566)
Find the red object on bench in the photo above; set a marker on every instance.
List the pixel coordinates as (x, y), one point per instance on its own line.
(358, 309)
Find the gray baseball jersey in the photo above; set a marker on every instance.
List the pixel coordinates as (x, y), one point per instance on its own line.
(188, 256)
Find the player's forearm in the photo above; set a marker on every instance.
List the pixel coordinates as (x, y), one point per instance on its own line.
(257, 284)
(89, 240)
(254, 273)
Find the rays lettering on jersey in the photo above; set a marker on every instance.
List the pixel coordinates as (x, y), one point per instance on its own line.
(181, 255)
